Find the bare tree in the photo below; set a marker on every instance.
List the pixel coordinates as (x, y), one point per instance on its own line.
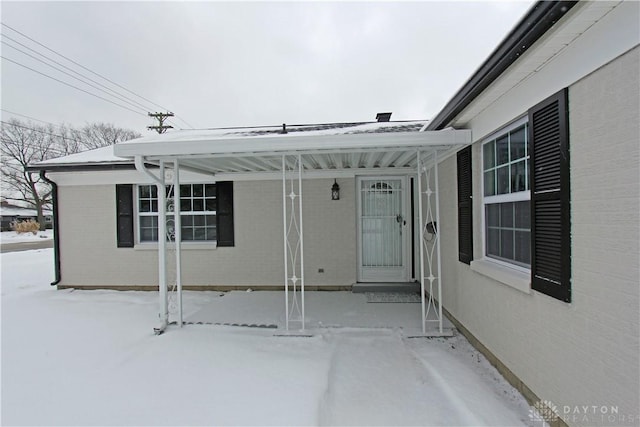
(26, 143)
(96, 135)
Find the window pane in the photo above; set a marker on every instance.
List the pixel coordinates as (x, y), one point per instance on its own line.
(489, 155)
(187, 220)
(148, 235)
(503, 180)
(493, 215)
(517, 144)
(198, 220)
(187, 234)
(154, 206)
(210, 190)
(198, 190)
(145, 191)
(518, 177)
(502, 150)
(148, 221)
(490, 183)
(199, 233)
(185, 190)
(506, 215)
(523, 247)
(211, 234)
(198, 205)
(185, 205)
(522, 215)
(210, 205)
(145, 206)
(210, 220)
(506, 243)
(493, 242)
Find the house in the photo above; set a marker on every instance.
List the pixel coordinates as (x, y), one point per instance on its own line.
(516, 208)
(10, 214)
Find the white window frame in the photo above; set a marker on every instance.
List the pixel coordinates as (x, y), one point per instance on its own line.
(509, 273)
(186, 244)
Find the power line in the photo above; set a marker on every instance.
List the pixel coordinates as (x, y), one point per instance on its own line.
(41, 131)
(29, 117)
(70, 85)
(91, 71)
(118, 95)
(74, 77)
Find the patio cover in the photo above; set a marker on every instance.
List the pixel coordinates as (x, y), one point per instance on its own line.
(294, 152)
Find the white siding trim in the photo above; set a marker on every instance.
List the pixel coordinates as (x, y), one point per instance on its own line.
(504, 273)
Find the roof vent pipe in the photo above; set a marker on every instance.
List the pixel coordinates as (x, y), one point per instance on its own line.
(284, 128)
(383, 117)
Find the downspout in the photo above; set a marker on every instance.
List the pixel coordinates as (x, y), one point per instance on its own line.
(56, 234)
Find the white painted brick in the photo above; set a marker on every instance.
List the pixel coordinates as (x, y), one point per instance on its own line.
(88, 215)
(586, 352)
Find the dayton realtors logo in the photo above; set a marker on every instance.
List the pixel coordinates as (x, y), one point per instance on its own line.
(546, 412)
(543, 412)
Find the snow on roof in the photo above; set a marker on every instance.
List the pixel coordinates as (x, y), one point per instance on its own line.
(292, 131)
(106, 154)
(98, 155)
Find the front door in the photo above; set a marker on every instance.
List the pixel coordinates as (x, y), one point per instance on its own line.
(382, 229)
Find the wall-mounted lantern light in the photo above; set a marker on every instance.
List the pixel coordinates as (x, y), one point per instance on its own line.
(335, 191)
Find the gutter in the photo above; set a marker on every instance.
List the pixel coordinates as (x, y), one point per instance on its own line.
(80, 167)
(539, 19)
(56, 234)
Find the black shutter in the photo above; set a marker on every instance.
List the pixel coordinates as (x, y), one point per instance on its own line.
(465, 206)
(550, 197)
(124, 215)
(224, 213)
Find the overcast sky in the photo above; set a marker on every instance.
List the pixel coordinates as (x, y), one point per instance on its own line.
(217, 64)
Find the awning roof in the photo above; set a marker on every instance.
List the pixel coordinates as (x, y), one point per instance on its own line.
(343, 146)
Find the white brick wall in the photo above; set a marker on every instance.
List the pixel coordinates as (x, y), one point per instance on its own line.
(586, 352)
(87, 231)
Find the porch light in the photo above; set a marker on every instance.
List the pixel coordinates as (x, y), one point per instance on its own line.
(335, 191)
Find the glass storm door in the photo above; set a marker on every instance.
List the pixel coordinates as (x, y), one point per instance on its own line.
(382, 229)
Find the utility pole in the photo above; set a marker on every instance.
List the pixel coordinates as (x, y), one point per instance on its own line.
(161, 117)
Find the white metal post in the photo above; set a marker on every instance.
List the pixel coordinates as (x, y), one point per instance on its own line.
(438, 228)
(284, 233)
(162, 249)
(301, 238)
(421, 241)
(177, 220)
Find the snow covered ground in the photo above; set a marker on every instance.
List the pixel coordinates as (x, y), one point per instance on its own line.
(90, 358)
(13, 237)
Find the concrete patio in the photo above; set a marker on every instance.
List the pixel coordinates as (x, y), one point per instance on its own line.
(322, 310)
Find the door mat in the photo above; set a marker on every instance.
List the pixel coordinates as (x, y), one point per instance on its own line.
(392, 297)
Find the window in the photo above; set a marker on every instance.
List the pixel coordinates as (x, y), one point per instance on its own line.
(198, 208)
(506, 195)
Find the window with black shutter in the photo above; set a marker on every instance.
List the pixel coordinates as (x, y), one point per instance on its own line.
(124, 215)
(206, 212)
(550, 197)
(465, 221)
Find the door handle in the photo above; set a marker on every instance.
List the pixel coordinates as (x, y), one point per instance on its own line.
(400, 220)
